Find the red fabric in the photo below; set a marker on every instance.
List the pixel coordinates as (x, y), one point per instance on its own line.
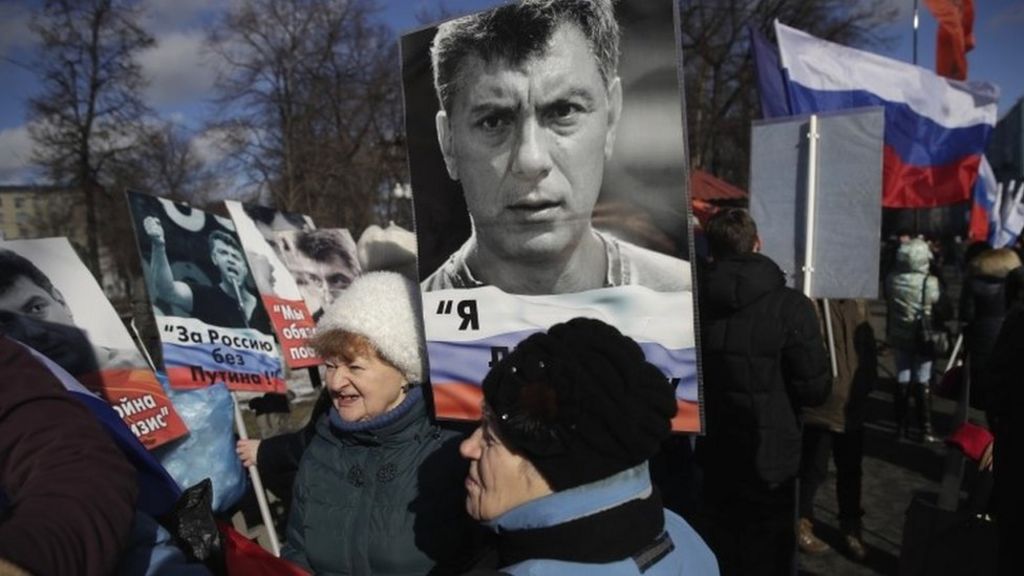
(906, 186)
(247, 558)
(703, 211)
(955, 36)
(978, 228)
(971, 439)
(704, 186)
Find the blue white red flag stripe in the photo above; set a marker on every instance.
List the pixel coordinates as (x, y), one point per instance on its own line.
(936, 129)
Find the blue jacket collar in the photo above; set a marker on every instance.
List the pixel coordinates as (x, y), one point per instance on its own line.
(567, 505)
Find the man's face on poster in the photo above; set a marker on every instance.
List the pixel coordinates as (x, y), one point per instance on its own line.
(529, 143)
(229, 261)
(319, 282)
(26, 298)
(309, 278)
(32, 315)
(337, 274)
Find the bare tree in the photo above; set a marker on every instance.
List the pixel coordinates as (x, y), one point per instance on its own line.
(166, 163)
(309, 91)
(90, 106)
(721, 91)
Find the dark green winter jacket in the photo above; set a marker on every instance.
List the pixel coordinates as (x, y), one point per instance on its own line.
(385, 499)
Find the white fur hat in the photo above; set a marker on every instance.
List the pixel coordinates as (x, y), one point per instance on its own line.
(384, 307)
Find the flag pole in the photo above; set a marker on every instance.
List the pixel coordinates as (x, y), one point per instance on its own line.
(916, 22)
(257, 486)
(812, 194)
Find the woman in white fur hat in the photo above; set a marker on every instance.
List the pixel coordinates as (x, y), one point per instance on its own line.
(380, 488)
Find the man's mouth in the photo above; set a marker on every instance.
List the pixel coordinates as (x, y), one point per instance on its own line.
(535, 208)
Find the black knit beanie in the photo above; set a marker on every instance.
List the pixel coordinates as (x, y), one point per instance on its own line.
(580, 402)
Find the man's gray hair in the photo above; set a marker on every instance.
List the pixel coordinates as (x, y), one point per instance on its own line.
(515, 32)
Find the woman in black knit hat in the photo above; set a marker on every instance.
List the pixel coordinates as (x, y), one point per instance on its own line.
(558, 467)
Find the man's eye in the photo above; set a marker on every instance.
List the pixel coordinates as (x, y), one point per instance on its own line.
(338, 279)
(495, 121)
(564, 112)
(36, 309)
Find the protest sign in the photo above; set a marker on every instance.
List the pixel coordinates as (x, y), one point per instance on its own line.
(50, 301)
(212, 325)
(323, 262)
(549, 184)
(470, 330)
(292, 321)
(847, 207)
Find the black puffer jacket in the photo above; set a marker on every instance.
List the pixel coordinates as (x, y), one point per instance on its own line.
(763, 359)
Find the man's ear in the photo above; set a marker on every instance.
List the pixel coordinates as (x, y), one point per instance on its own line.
(614, 113)
(757, 244)
(444, 140)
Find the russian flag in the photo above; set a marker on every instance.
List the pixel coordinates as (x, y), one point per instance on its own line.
(936, 129)
(985, 221)
(771, 84)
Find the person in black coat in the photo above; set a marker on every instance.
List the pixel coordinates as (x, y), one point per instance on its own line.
(983, 305)
(1005, 415)
(763, 360)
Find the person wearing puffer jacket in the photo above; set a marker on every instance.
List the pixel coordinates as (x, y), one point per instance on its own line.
(910, 293)
(559, 465)
(380, 488)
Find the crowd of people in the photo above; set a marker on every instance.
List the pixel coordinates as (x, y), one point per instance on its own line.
(564, 473)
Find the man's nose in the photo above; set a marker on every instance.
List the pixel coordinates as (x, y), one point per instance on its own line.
(531, 158)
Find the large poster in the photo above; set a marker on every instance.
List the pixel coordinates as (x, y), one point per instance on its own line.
(549, 181)
(211, 322)
(291, 319)
(50, 301)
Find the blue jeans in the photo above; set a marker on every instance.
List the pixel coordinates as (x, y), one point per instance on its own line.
(912, 366)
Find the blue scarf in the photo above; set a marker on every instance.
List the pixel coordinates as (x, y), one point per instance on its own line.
(412, 398)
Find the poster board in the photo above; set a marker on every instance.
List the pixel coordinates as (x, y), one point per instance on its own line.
(212, 324)
(848, 214)
(51, 302)
(590, 175)
(292, 322)
(323, 262)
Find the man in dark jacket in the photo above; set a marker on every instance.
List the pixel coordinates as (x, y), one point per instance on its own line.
(763, 359)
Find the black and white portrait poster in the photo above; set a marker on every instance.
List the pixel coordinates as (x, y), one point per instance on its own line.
(212, 324)
(323, 262)
(292, 321)
(549, 182)
(50, 302)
